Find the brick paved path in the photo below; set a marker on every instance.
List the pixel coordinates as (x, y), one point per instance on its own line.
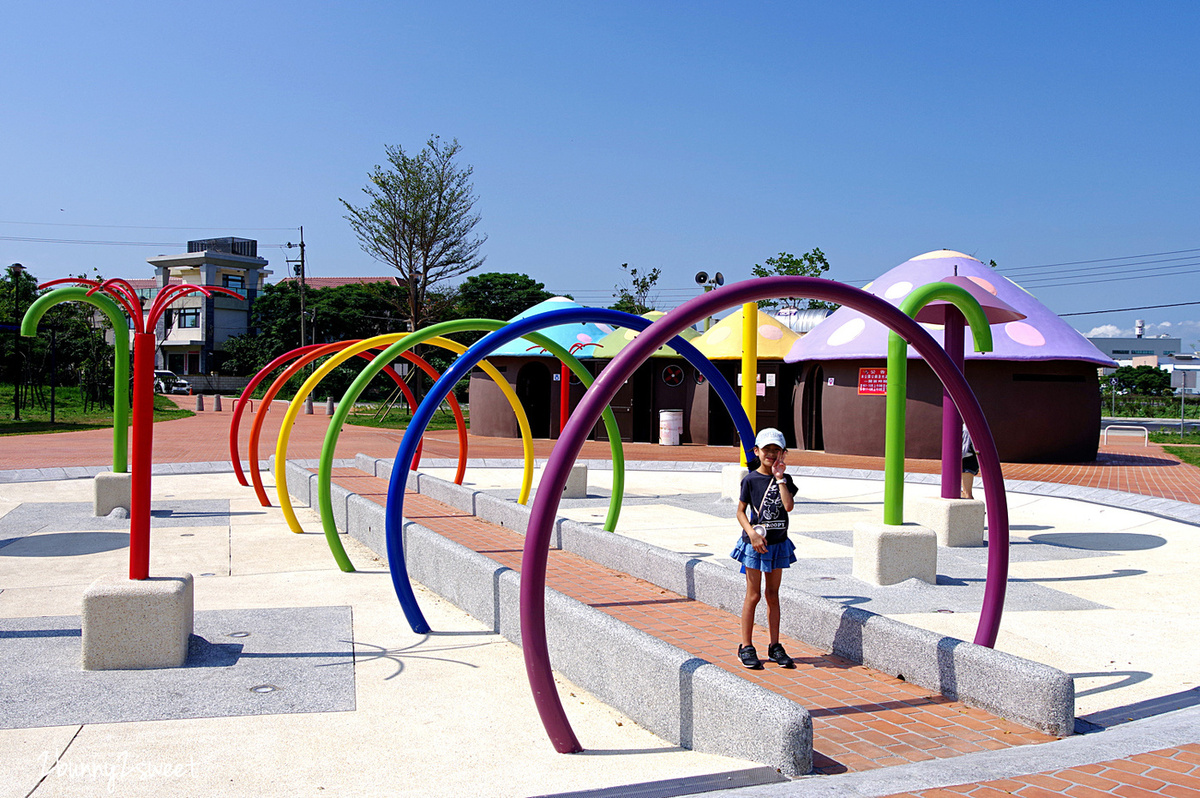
(1173, 772)
(862, 718)
(204, 438)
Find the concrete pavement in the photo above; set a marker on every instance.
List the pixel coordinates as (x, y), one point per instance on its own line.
(1096, 592)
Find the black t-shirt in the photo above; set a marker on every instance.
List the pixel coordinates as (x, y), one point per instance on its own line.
(774, 517)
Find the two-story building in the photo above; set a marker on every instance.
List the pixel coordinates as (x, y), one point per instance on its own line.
(195, 327)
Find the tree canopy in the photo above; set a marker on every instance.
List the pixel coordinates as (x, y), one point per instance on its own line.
(810, 264)
(1143, 380)
(634, 297)
(419, 220)
(497, 295)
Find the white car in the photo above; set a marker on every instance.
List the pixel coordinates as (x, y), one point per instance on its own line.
(169, 382)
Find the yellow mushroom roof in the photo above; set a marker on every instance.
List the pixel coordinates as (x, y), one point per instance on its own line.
(723, 341)
(610, 345)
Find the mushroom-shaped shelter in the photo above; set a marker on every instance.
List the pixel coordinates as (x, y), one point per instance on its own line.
(709, 423)
(534, 374)
(665, 381)
(1038, 387)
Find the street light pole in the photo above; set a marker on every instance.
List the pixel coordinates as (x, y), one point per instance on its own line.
(299, 271)
(14, 273)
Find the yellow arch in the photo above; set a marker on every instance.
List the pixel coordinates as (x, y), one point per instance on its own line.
(289, 418)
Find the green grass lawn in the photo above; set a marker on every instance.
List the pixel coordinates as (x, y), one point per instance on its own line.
(1173, 437)
(364, 416)
(1185, 453)
(69, 414)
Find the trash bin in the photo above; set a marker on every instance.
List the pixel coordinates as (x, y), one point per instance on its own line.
(670, 427)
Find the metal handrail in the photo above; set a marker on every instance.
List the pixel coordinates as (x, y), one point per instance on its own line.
(1145, 433)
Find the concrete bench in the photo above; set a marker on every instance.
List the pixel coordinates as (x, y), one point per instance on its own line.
(957, 523)
(110, 491)
(132, 624)
(887, 554)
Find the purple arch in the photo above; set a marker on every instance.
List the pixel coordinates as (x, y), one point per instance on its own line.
(554, 478)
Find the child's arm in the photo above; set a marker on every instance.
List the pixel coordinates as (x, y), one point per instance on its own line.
(785, 495)
(756, 540)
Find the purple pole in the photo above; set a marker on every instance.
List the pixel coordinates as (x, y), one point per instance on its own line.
(951, 423)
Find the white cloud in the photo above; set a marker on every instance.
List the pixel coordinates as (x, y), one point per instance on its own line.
(1107, 331)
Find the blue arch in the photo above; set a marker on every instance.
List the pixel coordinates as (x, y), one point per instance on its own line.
(394, 511)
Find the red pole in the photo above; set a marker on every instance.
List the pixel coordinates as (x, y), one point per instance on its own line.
(142, 435)
(564, 398)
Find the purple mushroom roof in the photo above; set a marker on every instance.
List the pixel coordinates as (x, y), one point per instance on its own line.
(847, 334)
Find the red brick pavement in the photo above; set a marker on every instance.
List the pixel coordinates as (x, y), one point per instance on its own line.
(862, 718)
(204, 438)
(1173, 772)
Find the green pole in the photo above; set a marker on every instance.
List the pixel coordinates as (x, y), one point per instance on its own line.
(120, 326)
(897, 385)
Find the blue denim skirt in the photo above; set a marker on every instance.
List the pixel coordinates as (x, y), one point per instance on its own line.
(778, 555)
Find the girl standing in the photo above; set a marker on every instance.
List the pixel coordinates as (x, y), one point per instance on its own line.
(764, 548)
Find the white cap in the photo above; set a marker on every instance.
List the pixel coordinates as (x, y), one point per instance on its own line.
(768, 436)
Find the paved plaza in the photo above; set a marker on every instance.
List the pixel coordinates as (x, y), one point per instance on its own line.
(303, 680)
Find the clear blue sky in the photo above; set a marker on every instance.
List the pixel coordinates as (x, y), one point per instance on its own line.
(682, 136)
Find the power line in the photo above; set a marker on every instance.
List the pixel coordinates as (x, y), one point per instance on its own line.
(1122, 310)
(1099, 260)
(29, 240)
(141, 227)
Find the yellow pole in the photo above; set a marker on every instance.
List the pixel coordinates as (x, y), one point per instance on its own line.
(749, 367)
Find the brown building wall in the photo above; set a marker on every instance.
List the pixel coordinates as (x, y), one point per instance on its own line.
(1038, 411)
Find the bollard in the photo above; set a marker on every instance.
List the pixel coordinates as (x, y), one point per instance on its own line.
(308, 407)
(217, 403)
(199, 402)
(329, 406)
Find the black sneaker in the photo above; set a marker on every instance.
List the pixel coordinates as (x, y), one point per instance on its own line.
(749, 658)
(779, 656)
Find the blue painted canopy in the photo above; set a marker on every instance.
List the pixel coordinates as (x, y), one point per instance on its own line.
(566, 334)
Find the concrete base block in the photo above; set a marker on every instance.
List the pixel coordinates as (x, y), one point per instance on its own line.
(576, 487)
(956, 522)
(217, 403)
(134, 624)
(885, 554)
(731, 481)
(308, 406)
(112, 490)
(199, 403)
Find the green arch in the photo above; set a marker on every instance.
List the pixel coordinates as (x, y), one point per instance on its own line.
(897, 384)
(120, 325)
(325, 467)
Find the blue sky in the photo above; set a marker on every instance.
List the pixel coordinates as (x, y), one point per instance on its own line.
(682, 136)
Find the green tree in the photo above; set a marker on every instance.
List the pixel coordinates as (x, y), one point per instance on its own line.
(337, 313)
(634, 296)
(810, 264)
(498, 295)
(70, 347)
(419, 219)
(1143, 381)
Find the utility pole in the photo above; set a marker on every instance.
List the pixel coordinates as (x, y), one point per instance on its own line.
(298, 270)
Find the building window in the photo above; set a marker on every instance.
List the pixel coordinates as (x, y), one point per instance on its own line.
(237, 281)
(188, 319)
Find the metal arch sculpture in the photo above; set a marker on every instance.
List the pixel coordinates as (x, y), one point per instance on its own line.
(116, 317)
(264, 406)
(316, 351)
(244, 400)
(395, 500)
(142, 431)
(326, 507)
(897, 382)
(538, 534)
(325, 468)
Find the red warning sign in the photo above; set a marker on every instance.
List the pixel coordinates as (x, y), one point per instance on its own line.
(872, 382)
